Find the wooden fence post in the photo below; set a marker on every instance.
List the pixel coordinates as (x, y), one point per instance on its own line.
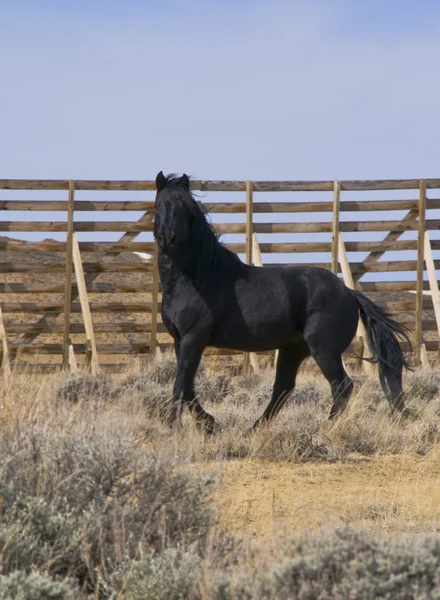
(4, 354)
(155, 296)
(73, 367)
(68, 275)
(433, 284)
(335, 225)
(259, 263)
(420, 270)
(361, 333)
(92, 353)
(249, 231)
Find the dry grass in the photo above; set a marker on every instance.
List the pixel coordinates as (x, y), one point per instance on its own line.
(95, 443)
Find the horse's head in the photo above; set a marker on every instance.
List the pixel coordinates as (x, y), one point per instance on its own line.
(173, 213)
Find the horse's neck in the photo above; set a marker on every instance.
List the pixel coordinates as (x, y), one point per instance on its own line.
(196, 268)
(169, 273)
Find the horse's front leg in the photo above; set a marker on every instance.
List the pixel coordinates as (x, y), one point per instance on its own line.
(189, 354)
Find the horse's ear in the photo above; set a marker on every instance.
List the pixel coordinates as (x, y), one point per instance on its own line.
(161, 181)
(185, 181)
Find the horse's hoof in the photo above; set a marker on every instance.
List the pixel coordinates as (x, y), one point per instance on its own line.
(208, 428)
(406, 413)
(256, 426)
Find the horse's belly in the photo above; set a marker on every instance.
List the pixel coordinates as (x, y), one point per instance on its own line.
(254, 337)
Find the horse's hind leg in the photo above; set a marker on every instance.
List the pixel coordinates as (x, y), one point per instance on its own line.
(288, 363)
(330, 363)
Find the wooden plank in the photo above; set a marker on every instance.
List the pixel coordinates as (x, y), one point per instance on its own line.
(68, 273)
(306, 247)
(39, 205)
(112, 205)
(268, 248)
(428, 324)
(361, 268)
(335, 226)
(80, 205)
(58, 288)
(418, 338)
(134, 267)
(77, 328)
(380, 247)
(94, 287)
(154, 313)
(80, 226)
(138, 348)
(385, 266)
(4, 355)
(44, 307)
(405, 305)
(53, 226)
(345, 226)
(383, 226)
(433, 283)
(52, 246)
(361, 333)
(314, 207)
(249, 242)
(217, 207)
(55, 348)
(29, 369)
(388, 286)
(103, 185)
(88, 324)
(34, 184)
(390, 238)
(349, 185)
(217, 185)
(387, 184)
(94, 267)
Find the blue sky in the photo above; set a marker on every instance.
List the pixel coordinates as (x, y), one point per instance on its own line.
(220, 89)
(260, 90)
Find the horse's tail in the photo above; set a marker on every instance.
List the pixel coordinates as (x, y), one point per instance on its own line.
(383, 340)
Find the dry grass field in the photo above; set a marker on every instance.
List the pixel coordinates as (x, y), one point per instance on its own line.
(99, 500)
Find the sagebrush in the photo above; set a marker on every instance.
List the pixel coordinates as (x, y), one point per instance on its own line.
(98, 499)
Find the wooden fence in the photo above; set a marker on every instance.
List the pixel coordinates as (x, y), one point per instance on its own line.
(98, 303)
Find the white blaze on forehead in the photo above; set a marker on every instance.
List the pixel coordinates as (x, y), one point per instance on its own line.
(144, 255)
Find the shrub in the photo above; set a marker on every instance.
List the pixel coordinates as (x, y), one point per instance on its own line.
(343, 564)
(76, 504)
(84, 387)
(173, 575)
(36, 586)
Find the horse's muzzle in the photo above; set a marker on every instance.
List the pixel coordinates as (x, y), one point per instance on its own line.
(166, 243)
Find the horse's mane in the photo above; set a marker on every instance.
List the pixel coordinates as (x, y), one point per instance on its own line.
(210, 252)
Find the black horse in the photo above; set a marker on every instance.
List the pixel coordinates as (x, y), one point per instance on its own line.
(211, 298)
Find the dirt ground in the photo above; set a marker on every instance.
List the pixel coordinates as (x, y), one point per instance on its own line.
(390, 494)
